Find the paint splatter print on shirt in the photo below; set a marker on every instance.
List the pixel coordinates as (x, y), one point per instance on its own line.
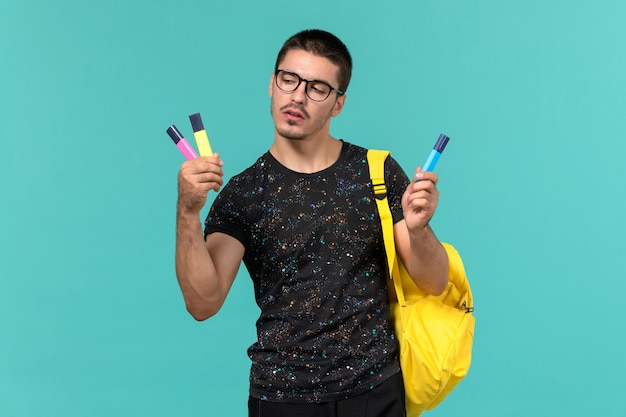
(315, 253)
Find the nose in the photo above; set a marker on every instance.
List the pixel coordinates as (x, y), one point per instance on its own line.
(299, 94)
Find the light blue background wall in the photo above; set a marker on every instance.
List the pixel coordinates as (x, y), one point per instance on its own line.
(532, 93)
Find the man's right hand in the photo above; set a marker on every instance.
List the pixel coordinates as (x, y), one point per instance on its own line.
(195, 178)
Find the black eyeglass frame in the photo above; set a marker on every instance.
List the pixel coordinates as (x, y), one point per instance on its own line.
(306, 87)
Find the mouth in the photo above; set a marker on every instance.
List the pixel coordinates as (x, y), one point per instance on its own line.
(293, 113)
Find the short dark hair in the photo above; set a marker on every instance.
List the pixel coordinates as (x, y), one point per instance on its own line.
(324, 44)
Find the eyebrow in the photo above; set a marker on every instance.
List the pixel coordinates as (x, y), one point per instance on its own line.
(305, 79)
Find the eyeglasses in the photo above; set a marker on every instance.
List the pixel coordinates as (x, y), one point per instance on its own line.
(316, 90)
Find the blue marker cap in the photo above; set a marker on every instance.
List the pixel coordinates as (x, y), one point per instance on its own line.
(441, 143)
(174, 134)
(432, 159)
(196, 122)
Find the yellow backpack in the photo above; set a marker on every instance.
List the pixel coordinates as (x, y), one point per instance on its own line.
(435, 333)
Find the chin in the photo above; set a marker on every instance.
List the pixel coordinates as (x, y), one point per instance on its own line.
(287, 134)
(293, 137)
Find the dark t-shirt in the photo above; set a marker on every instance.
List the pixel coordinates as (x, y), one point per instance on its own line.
(314, 250)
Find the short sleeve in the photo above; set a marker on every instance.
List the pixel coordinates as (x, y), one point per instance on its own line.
(397, 181)
(226, 215)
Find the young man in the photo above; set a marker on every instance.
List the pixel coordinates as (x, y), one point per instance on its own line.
(303, 220)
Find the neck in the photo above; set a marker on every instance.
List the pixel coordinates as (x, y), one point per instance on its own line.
(304, 155)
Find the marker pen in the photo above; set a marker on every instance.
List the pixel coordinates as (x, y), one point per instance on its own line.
(202, 140)
(432, 159)
(181, 143)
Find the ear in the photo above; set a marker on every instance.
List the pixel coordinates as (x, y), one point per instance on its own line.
(338, 106)
(271, 84)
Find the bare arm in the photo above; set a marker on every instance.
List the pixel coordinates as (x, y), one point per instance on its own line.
(418, 247)
(205, 270)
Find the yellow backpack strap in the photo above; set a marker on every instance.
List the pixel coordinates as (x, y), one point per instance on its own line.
(376, 161)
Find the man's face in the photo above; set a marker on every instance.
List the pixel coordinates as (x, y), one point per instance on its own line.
(295, 115)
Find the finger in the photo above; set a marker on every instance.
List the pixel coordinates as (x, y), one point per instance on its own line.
(201, 167)
(423, 186)
(429, 194)
(204, 177)
(418, 200)
(416, 174)
(213, 159)
(199, 184)
(426, 176)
